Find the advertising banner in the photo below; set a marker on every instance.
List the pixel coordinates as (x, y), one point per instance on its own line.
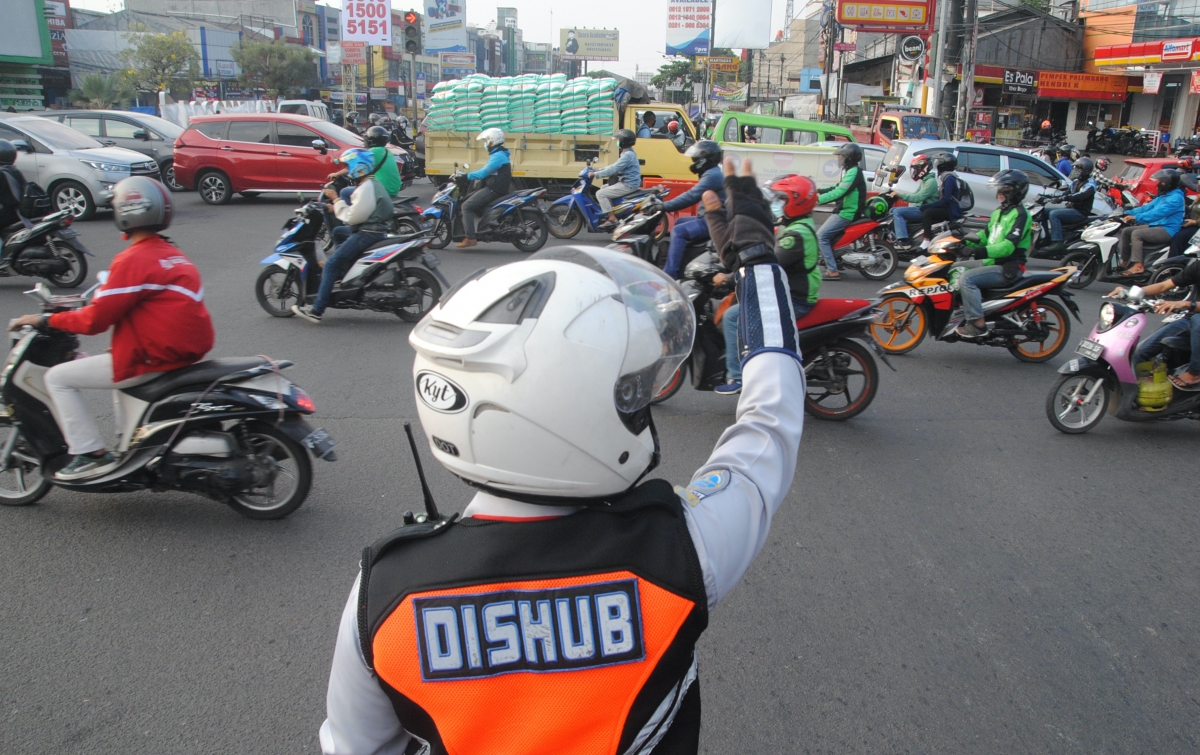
(58, 17)
(1151, 81)
(354, 53)
(1195, 85)
(445, 26)
(688, 22)
(730, 94)
(457, 63)
(590, 44)
(1087, 86)
(367, 22)
(743, 24)
(885, 14)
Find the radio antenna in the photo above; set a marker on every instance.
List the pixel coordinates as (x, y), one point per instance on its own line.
(431, 510)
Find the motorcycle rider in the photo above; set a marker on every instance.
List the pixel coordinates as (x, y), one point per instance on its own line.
(706, 158)
(367, 214)
(646, 130)
(1183, 239)
(946, 206)
(796, 250)
(1064, 165)
(386, 171)
(920, 169)
(561, 562)
(1080, 198)
(1004, 246)
(1158, 220)
(851, 197)
(497, 178)
(1188, 380)
(12, 188)
(153, 299)
(1047, 133)
(626, 168)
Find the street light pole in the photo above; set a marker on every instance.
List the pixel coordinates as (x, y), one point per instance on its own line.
(939, 60)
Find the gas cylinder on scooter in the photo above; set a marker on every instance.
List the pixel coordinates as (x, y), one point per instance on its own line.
(1154, 390)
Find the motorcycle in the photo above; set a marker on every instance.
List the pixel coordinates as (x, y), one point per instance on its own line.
(49, 248)
(231, 429)
(840, 373)
(1021, 317)
(638, 234)
(1041, 228)
(516, 218)
(570, 214)
(379, 281)
(406, 216)
(1104, 379)
(1097, 254)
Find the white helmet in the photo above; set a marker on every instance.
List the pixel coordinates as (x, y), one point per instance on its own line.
(492, 137)
(534, 379)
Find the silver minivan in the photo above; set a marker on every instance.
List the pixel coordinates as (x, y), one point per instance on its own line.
(77, 171)
(977, 163)
(152, 136)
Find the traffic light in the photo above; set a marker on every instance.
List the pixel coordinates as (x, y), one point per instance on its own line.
(412, 33)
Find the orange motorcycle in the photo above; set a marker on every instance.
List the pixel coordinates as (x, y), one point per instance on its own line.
(1021, 318)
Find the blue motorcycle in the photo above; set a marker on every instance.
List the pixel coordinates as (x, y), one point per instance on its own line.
(570, 214)
(515, 219)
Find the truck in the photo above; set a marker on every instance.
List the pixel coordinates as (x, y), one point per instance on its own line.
(884, 120)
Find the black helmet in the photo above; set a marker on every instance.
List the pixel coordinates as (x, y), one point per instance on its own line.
(1083, 168)
(1012, 184)
(705, 154)
(849, 155)
(376, 136)
(1167, 180)
(626, 138)
(944, 161)
(8, 153)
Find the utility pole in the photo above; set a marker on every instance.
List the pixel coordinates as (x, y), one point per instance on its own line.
(828, 63)
(939, 60)
(712, 38)
(966, 93)
(412, 78)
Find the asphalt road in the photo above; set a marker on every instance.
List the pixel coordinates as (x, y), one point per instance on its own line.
(948, 575)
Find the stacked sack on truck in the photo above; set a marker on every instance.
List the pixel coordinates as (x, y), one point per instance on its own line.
(547, 106)
(493, 112)
(467, 97)
(440, 113)
(602, 108)
(524, 104)
(521, 103)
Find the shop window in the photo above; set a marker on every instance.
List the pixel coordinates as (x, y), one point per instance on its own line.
(979, 163)
(306, 26)
(1086, 115)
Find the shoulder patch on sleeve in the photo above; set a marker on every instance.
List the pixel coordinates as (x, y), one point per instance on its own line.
(704, 486)
(788, 241)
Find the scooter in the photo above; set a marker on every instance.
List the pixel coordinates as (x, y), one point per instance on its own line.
(1097, 254)
(1040, 217)
(570, 214)
(379, 281)
(841, 376)
(516, 219)
(637, 235)
(1104, 379)
(49, 248)
(230, 429)
(1021, 318)
(406, 215)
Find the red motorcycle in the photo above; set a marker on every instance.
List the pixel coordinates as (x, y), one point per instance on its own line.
(863, 246)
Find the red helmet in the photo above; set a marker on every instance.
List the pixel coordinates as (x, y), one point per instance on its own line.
(1102, 164)
(673, 126)
(920, 165)
(1187, 164)
(799, 195)
(1046, 124)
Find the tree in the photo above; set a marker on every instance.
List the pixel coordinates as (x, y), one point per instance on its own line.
(160, 62)
(275, 66)
(678, 70)
(99, 91)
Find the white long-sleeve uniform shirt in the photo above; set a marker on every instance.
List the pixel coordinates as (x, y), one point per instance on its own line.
(361, 205)
(728, 507)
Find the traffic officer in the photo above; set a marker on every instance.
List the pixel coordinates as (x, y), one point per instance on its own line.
(533, 383)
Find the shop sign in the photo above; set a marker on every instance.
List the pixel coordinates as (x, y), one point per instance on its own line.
(1195, 87)
(377, 93)
(1082, 86)
(845, 47)
(889, 14)
(1180, 49)
(725, 64)
(977, 99)
(354, 53)
(1151, 81)
(912, 48)
(225, 69)
(1017, 81)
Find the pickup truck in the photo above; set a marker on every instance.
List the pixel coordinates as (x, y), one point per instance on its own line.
(889, 123)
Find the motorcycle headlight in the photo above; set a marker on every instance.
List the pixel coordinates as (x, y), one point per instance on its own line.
(1108, 315)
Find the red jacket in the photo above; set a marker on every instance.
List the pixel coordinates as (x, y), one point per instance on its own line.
(155, 300)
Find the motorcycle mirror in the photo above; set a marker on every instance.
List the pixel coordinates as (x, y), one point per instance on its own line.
(41, 292)
(102, 276)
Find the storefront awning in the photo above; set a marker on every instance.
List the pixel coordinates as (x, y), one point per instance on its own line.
(1155, 56)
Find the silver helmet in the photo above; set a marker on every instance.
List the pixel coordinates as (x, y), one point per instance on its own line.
(141, 203)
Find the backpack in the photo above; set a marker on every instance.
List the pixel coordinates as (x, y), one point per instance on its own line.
(962, 193)
(35, 203)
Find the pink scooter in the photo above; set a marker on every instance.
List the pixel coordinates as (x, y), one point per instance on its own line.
(1103, 378)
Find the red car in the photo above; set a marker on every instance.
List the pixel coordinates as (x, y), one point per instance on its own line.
(258, 153)
(1136, 176)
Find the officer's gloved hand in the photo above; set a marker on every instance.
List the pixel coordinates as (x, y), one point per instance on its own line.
(744, 237)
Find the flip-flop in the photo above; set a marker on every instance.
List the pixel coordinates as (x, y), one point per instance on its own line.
(1127, 274)
(1177, 381)
(829, 277)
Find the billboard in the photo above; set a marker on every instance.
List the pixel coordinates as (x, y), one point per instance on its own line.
(589, 44)
(368, 22)
(688, 22)
(445, 26)
(457, 63)
(743, 24)
(913, 15)
(58, 16)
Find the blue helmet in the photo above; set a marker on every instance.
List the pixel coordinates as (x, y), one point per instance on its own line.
(358, 162)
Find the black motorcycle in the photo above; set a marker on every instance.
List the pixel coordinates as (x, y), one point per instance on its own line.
(406, 216)
(231, 429)
(49, 248)
(516, 219)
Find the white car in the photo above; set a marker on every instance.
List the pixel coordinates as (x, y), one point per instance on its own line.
(977, 163)
(873, 156)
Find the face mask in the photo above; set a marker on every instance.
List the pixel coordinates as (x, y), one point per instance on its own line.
(777, 209)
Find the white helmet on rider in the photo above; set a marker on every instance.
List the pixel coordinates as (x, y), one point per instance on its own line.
(534, 379)
(492, 137)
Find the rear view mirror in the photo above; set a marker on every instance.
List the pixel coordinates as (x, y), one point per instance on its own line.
(141, 134)
(22, 146)
(320, 146)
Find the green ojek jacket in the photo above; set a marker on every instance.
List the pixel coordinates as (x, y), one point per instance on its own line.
(850, 193)
(1007, 239)
(797, 253)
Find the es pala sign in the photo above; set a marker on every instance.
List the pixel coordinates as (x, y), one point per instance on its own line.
(1019, 82)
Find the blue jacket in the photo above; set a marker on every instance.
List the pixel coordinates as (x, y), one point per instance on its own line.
(1064, 166)
(626, 167)
(711, 180)
(644, 132)
(949, 184)
(497, 160)
(1164, 211)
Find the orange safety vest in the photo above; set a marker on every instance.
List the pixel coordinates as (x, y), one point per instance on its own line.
(567, 636)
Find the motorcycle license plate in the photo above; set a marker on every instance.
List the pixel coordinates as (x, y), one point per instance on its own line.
(320, 442)
(1090, 349)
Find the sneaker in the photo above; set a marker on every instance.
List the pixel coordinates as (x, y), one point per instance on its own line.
(307, 313)
(1054, 247)
(466, 244)
(730, 388)
(925, 244)
(904, 244)
(970, 330)
(87, 465)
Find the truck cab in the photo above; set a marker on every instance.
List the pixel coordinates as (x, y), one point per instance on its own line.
(888, 121)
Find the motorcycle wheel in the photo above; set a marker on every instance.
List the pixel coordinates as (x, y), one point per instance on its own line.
(426, 285)
(1065, 410)
(844, 365)
(407, 227)
(565, 221)
(277, 290)
(441, 235)
(324, 239)
(673, 386)
(293, 471)
(1055, 341)
(76, 275)
(534, 231)
(1089, 268)
(887, 264)
(1166, 274)
(23, 483)
(901, 326)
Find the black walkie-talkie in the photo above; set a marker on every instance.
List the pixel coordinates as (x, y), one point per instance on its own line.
(431, 511)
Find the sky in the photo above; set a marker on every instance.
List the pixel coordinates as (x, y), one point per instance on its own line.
(643, 23)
